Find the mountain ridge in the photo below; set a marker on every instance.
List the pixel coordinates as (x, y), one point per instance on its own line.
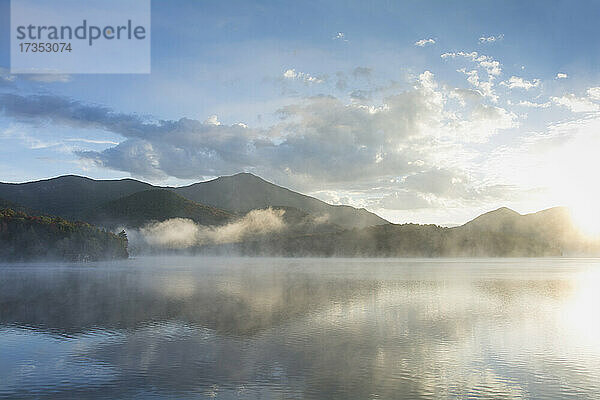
(231, 189)
(72, 196)
(139, 208)
(498, 233)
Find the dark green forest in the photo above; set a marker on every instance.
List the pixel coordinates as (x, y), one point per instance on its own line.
(25, 237)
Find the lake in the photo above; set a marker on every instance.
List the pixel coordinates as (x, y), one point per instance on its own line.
(228, 328)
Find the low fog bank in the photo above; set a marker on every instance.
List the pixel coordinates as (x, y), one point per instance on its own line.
(185, 234)
(289, 232)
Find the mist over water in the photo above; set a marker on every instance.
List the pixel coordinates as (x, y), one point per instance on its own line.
(228, 328)
(182, 233)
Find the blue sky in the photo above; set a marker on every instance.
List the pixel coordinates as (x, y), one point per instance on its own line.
(424, 111)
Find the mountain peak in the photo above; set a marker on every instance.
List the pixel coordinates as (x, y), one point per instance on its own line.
(495, 218)
(244, 191)
(503, 211)
(243, 176)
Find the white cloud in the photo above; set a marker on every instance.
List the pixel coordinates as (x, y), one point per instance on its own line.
(526, 103)
(290, 74)
(491, 66)
(576, 104)
(319, 140)
(594, 93)
(340, 36)
(516, 82)
(484, 87)
(491, 39)
(92, 141)
(424, 42)
(403, 200)
(483, 122)
(212, 120)
(301, 76)
(561, 75)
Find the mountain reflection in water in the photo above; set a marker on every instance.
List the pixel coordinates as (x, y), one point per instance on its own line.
(301, 328)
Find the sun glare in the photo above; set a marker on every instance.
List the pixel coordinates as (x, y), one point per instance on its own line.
(570, 172)
(586, 217)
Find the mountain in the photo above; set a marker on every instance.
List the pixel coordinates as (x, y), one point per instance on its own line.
(26, 237)
(4, 204)
(551, 229)
(298, 222)
(554, 224)
(140, 208)
(499, 233)
(76, 197)
(556, 219)
(244, 192)
(497, 220)
(69, 196)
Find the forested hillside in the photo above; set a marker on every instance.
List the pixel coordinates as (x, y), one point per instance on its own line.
(26, 237)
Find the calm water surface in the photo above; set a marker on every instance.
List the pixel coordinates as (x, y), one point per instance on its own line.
(231, 328)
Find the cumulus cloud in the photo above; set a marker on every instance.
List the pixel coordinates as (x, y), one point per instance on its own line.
(491, 39)
(516, 82)
(435, 181)
(576, 104)
(438, 188)
(424, 42)
(466, 95)
(484, 87)
(561, 75)
(301, 76)
(340, 36)
(212, 120)
(526, 103)
(491, 67)
(484, 121)
(320, 140)
(594, 93)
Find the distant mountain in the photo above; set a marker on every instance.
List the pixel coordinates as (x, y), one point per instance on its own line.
(556, 219)
(69, 196)
(547, 232)
(140, 208)
(76, 197)
(554, 224)
(500, 233)
(497, 220)
(244, 192)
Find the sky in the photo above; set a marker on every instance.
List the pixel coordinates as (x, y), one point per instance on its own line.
(420, 111)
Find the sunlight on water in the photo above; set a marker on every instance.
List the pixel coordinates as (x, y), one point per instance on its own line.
(581, 309)
(272, 328)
